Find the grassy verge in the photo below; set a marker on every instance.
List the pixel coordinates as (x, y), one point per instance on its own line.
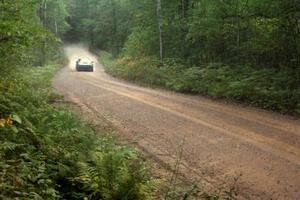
(48, 152)
(263, 87)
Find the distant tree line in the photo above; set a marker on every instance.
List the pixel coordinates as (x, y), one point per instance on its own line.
(256, 32)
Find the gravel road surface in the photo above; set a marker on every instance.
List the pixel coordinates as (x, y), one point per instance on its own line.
(219, 140)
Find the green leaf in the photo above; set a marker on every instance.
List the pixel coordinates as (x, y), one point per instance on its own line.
(16, 118)
(14, 129)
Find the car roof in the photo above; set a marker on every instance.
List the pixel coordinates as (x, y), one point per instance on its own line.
(85, 60)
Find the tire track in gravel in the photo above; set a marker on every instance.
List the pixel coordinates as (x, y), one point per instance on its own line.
(220, 139)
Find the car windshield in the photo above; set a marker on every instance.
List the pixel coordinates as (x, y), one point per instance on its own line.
(85, 60)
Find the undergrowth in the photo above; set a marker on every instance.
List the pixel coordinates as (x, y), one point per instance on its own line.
(274, 89)
(48, 152)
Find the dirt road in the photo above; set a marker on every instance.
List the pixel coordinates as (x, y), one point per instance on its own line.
(219, 140)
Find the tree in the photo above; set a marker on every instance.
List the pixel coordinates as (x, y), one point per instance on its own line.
(160, 21)
(18, 28)
(262, 33)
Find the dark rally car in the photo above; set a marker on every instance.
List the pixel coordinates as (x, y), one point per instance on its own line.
(84, 65)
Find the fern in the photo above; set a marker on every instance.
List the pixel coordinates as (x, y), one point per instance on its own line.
(9, 146)
(114, 173)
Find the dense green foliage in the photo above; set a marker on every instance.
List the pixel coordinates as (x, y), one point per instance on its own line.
(260, 87)
(27, 33)
(47, 151)
(248, 50)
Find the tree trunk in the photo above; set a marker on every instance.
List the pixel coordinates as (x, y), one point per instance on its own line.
(45, 13)
(160, 20)
(184, 7)
(238, 25)
(115, 42)
(238, 21)
(55, 27)
(55, 22)
(43, 57)
(297, 39)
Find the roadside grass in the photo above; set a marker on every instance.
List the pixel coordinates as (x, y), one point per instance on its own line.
(268, 88)
(49, 152)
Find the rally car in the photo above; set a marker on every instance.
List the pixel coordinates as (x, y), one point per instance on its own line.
(84, 65)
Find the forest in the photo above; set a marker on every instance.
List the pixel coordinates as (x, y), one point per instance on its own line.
(46, 150)
(241, 50)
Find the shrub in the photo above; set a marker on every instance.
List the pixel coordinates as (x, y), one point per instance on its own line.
(265, 87)
(43, 148)
(114, 172)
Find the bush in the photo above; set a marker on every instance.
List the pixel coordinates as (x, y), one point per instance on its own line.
(264, 87)
(114, 172)
(44, 149)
